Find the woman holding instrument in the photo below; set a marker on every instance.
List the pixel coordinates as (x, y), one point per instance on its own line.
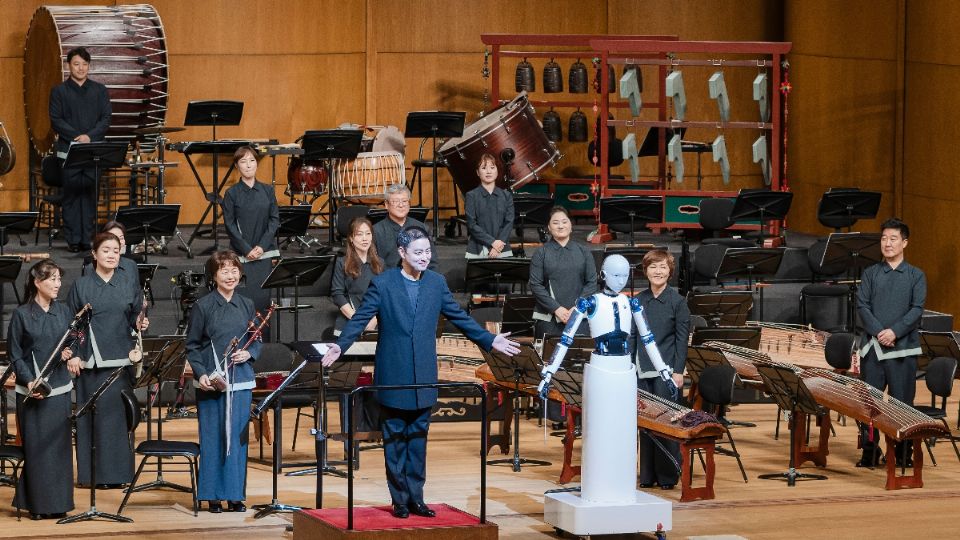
(116, 306)
(217, 319)
(353, 272)
(36, 327)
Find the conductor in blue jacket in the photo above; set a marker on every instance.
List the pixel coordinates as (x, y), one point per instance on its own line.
(408, 302)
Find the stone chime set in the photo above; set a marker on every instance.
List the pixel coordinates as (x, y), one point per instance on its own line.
(578, 82)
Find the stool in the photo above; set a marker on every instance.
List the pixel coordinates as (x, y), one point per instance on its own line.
(832, 307)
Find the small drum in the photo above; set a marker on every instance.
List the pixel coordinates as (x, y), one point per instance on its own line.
(510, 126)
(309, 177)
(128, 54)
(367, 177)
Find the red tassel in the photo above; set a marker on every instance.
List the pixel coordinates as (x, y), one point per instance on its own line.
(870, 432)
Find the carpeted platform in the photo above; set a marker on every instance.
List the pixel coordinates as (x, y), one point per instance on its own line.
(366, 518)
(377, 523)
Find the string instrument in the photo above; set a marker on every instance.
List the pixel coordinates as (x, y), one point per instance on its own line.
(136, 354)
(793, 343)
(255, 331)
(27, 257)
(73, 335)
(662, 416)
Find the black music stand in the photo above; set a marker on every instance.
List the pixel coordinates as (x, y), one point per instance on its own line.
(9, 271)
(936, 344)
(511, 271)
(17, 223)
(516, 316)
(145, 273)
(741, 336)
(99, 156)
(297, 272)
(522, 369)
(530, 209)
(700, 356)
(721, 308)
(91, 407)
(762, 205)
(787, 389)
(853, 251)
(848, 205)
(432, 125)
(142, 222)
(632, 210)
(214, 113)
(326, 145)
(294, 223)
(752, 263)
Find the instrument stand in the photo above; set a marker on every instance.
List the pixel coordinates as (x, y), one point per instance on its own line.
(530, 209)
(512, 271)
(854, 251)
(433, 125)
(752, 263)
(153, 219)
(762, 205)
(787, 389)
(17, 223)
(326, 146)
(296, 272)
(100, 155)
(91, 407)
(522, 369)
(212, 113)
(632, 210)
(722, 308)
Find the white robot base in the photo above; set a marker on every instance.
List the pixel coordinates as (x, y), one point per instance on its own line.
(568, 512)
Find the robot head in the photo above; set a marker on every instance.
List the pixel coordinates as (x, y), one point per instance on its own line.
(615, 273)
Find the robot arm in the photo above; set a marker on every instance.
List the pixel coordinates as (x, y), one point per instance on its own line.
(649, 343)
(584, 307)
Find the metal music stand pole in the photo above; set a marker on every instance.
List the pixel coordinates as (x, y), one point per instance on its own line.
(762, 205)
(143, 221)
(855, 251)
(632, 210)
(327, 145)
(530, 209)
(100, 155)
(513, 270)
(432, 125)
(752, 263)
(296, 272)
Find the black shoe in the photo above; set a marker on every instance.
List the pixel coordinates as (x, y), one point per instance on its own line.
(111, 486)
(666, 487)
(73, 248)
(237, 506)
(400, 511)
(422, 509)
(215, 507)
(646, 485)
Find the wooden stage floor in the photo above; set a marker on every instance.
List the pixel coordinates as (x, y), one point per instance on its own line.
(851, 504)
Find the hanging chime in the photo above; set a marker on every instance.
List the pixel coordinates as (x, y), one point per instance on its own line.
(552, 126)
(552, 78)
(526, 79)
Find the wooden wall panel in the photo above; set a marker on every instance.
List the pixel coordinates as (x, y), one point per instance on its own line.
(746, 20)
(14, 194)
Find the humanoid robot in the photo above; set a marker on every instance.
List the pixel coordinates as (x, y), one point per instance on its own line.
(609, 385)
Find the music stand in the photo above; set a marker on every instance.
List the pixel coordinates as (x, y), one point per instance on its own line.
(142, 222)
(91, 407)
(853, 251)
(434, 124)
(700, 356)
(848, 206)
(296, 272)
(741, 336)
(751, 263)
(522, 369)
(762, 205)
(9, 271)
(721, 308)
(326, 145)
(530, 209)
(631, 210)
(516, 316)
(512, 270)
(936, 344)
(100, 155)
(294, 222)
(17, 223)
(791, 394)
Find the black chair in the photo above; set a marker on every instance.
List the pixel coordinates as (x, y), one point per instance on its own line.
(11, 454)
(714, 217)
(696, 321)
(826, 307)
(716, 387)
(939, 378)
(158, 449)
(345, 215)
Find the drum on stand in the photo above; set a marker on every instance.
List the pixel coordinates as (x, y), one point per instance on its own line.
(367, 177)
(306, 178)
(511, 126)
(128, 53)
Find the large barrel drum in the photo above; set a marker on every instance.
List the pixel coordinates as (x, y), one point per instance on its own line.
(128, 54)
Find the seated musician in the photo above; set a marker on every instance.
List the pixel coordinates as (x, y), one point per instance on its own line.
(397, 200)
(489, 212)
(224, 384)
(890, 303)
(561, 271)
(669, 319)
(353, 272)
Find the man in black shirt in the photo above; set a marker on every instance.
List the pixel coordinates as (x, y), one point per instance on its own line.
(79, 112)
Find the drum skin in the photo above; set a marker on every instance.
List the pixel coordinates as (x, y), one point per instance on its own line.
(306, 177)
(128, 49)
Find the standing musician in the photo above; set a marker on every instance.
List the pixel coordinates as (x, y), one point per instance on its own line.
(669, 320)
(352, 273)
(408, 302)
(252, 218)
(561, 271)
(397, 200)
(127, 269)
(79, 112)
(115, 319)
(215, 321)
(46, 483)
(890, 302)
(489, 212)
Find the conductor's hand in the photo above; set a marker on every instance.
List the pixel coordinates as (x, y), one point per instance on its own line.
(73, 366)
(204, 383)
(506, 346)
(333, 353)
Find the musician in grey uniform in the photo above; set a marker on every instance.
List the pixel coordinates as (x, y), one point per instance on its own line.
(397, 200)
(127, 269)
(890, 302)
(110, 339)
(561, 271)
(489, 211)
(353, 272)
(252, 218)
(46, 481)
(215, 321)
(669, 319)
